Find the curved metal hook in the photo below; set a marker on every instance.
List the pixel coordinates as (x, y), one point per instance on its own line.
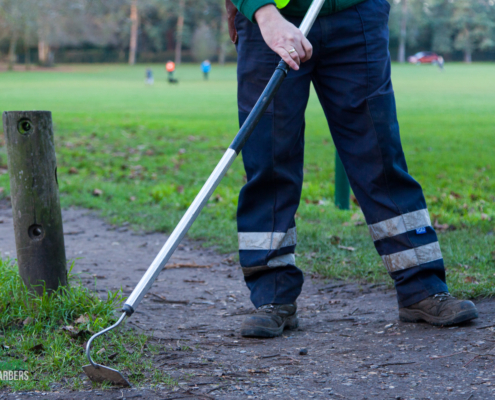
(88, 346)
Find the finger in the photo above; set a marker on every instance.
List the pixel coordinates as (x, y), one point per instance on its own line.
(295, 56)
(308, 48)
(288, 59)
(299, 48)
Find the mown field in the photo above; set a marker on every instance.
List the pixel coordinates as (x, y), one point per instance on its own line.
(149, 149)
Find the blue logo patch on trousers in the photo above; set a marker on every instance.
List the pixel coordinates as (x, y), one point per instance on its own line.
(420, 231)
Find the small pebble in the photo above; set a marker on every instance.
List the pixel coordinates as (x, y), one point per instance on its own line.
(303, 352)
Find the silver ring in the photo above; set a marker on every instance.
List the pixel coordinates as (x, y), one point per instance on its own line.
(292, 51)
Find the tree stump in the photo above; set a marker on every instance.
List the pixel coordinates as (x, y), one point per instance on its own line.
(36, 210)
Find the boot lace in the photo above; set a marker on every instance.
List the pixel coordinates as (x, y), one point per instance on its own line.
(442, 296)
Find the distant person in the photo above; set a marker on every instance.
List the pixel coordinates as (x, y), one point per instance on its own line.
(440, 62)
(170, 67)
(206, 68)
(149, 77)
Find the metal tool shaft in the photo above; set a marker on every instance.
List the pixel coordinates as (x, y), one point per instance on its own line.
(213, 181)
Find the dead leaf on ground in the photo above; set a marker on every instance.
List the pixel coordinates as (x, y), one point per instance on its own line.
(83, 319)
(455, 195)
(101, 351)
(73, 171)
(258, 371)
(470, 279)
(358, 223)
(440, 227)
(74, 332)
(112, 356)
(2, 189)
(355, 201)
(99, 276)
(485, 217)
(27, 321)
(38, 348)
(186, 265)
(347, 248)
(163, 299)
(97, 192)
(132, 198)
(335, 239)
(356, 216)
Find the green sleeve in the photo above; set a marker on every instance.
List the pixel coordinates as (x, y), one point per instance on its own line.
(249, 7)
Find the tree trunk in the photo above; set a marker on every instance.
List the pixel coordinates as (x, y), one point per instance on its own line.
(12, 51)
(223, 36)
(403, 33)
(180, 30)
(32, 166)
(134, 33)
(27, 53)
(43, 52)
(468, 49)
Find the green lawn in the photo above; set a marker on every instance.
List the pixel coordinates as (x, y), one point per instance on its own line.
(149, 149)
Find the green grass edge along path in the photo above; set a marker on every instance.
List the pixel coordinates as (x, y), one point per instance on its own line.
(141, 153)
(45, 337)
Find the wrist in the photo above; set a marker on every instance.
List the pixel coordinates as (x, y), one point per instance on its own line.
(265, 13)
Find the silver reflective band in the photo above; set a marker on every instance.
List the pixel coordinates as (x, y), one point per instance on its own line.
(401, 224)
(267, 240)
(413, 257)
(282, 261)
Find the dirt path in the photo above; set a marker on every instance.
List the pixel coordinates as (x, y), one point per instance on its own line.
(356, 348)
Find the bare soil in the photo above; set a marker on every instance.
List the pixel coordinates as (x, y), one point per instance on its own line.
(356, 347)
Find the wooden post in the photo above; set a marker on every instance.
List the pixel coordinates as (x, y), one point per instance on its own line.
(36, 210)
(134, 33)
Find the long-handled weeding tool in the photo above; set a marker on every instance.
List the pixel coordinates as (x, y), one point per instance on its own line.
(100, 373)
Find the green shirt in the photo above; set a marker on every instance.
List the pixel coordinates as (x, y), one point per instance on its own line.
(295, 8)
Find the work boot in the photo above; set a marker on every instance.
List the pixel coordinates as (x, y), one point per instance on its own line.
(270, 320)
(439, 309)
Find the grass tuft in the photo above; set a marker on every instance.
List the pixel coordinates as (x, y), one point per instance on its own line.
(46, 336)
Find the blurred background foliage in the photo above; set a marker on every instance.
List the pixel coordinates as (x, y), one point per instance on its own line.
(78, 31)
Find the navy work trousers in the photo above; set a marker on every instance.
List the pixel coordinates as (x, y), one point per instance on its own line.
(350, 70)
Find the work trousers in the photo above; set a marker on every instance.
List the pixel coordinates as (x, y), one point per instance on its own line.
(350, 71)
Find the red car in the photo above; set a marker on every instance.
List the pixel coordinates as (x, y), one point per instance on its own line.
(425, 57)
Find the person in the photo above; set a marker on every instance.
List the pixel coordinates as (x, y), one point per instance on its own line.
(170, 67)
(206, 67)
(346, 58)
(149, 77)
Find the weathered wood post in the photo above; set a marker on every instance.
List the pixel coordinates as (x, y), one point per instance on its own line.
(36, 210)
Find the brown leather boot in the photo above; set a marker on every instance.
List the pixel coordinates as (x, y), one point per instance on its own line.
(270, 320)
(440, 309)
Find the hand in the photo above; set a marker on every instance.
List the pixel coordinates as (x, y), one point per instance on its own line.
(282, 36)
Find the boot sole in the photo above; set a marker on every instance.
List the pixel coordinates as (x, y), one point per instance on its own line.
(263, 332)
(417, 315)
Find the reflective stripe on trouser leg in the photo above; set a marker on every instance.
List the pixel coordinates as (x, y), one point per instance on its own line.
(406, 241)
(264, 242)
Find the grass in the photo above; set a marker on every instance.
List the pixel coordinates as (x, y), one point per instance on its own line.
(149, 150)
(35, 337)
